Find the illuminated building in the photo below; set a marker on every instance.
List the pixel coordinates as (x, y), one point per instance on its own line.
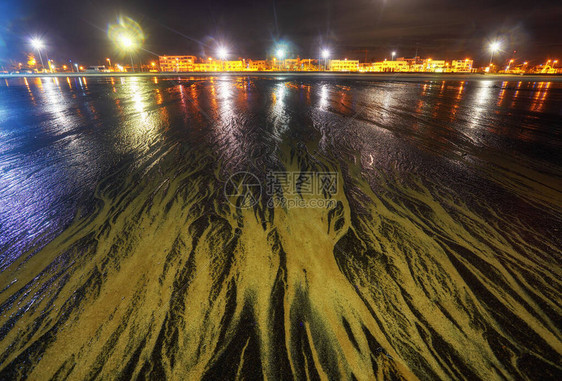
(548, 68)
(257, 65)
(291, 64)
(309, 64)
(176, 63)
(208, 65)
(461, 66)
(434, 66)
(366, 67)
(344, 65)
(233, 66)
(391, 66)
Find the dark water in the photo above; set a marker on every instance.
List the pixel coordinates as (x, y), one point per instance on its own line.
(437, 257)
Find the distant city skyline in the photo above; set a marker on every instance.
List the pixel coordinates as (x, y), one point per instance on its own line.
(356, 29)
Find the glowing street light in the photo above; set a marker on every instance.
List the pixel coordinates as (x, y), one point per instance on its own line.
(37, 44)
(128, 44)
(127, 35)
(222, 53)
(393, 54)
(280, 53)
(325, 55)
(494, 48)
(108, 62)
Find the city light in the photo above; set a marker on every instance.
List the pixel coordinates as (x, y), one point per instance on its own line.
(38, 44)
(126, 42)
(129, 38)
(494, 48)
(222, 53)
(325, 55)
(127, 35)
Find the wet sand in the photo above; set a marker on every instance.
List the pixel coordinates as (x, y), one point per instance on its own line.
(438, 258)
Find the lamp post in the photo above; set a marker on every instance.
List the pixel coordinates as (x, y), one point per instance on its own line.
(222, 53)
(108, 62)
(280, 55)
(325, 55)
(129, 45)
(393, 54)
(38, 45)
(494, 47)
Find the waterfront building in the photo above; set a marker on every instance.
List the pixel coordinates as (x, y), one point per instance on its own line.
(461, 66)
(366, 67)
(344, 65)
(434, 66)
(291, 64)
(257, 65)
(209, 65)
(391, 66)
(233, 65)
(308, 64)
(176, 63)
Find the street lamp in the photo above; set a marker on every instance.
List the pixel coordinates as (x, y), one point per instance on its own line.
(108, 62)
(128, 44)
(494, 47)
(37, 44)
(393, 54)
(222, 53)
(280, 55)
(325, 55)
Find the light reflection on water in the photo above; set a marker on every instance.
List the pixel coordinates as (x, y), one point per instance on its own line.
(430, 168)
(67, 107)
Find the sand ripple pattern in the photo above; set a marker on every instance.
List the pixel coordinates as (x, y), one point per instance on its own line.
(418, 271)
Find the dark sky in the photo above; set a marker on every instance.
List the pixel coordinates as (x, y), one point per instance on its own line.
(77, 29)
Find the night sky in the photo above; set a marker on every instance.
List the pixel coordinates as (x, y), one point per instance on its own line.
(444, 29)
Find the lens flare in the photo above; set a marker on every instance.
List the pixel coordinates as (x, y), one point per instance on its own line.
(126, 34)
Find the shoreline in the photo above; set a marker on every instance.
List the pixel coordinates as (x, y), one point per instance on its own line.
(391, 76)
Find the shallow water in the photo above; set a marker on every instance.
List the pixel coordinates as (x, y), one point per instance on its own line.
(124, 255)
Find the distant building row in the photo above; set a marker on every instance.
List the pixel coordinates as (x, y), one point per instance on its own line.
(191, 63)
